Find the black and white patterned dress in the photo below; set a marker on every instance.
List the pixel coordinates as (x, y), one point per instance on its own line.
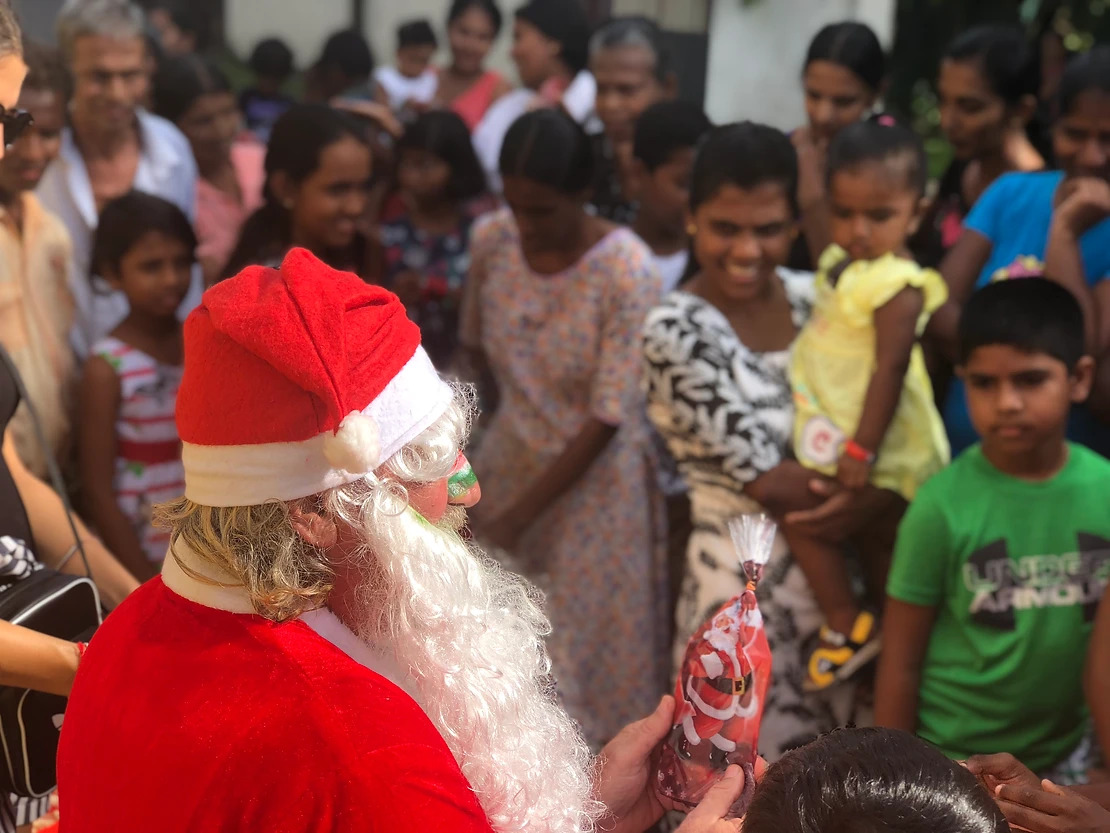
(727, 417)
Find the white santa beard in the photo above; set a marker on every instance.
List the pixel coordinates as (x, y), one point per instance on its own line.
(470, 638)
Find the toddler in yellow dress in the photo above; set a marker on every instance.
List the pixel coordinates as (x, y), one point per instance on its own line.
(864, 409)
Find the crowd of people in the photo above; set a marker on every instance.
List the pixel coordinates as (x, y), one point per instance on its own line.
(638, 326)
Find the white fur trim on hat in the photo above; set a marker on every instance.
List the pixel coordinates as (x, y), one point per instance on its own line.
(355, 447)
(248, 475)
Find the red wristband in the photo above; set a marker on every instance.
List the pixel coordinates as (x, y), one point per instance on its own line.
(81, 648)
(858, 452)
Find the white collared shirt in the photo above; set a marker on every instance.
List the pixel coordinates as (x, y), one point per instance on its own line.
(166, 169)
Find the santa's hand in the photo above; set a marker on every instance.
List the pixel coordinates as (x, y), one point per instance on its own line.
(626, 767)
(708, 817)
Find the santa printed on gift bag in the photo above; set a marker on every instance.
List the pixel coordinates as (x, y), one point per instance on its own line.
(722, 686)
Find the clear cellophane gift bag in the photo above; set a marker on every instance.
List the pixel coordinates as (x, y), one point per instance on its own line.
(722, 686)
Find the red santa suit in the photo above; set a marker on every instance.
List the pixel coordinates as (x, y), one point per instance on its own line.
(192, 714)
(187, 718)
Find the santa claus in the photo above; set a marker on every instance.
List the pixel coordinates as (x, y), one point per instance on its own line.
(323, 651)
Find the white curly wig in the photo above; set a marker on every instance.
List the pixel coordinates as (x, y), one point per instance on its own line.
(467, 635)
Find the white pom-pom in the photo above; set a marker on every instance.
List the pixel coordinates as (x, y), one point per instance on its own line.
(356, 447)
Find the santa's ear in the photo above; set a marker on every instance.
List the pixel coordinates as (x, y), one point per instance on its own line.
(314, 529)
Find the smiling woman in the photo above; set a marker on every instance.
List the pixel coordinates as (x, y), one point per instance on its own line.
(316, 194)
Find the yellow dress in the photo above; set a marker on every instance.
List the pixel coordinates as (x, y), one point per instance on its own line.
(832, 364)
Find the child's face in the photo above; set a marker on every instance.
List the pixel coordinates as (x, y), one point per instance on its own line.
(1019, 402)
(413, 60)
(665, 192)
(329, 205)
(626, 86)
(423, 175)
(1081, 137)
(28, 157)
(155, 275)
(742, 237)
(873, 210)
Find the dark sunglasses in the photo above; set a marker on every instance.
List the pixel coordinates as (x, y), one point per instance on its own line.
(15, 122)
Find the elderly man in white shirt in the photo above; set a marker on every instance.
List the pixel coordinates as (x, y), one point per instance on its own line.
(111, 147)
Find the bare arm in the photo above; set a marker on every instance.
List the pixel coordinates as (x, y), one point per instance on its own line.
(895, 336)
(555, 479)
(54, 539)
(1083, 202)
(29, 659)
(812, 200)
(960, 269)
(906, 631)
(1097, 678)
(96, 456)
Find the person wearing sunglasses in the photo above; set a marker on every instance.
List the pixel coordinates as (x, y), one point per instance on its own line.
(36, 262)
(111, 146)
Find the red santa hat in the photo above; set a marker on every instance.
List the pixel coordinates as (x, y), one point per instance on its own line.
(297, 380)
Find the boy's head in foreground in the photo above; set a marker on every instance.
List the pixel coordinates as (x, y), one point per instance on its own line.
(1023, 360)
(871, 781)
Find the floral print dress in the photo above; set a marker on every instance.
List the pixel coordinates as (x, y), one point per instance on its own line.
(563, 349)
(727, 416)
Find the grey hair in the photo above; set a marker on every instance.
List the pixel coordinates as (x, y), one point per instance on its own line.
(11, 38)
(117, 19)
(634, 32)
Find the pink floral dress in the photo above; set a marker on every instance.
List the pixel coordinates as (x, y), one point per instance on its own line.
(565, 348)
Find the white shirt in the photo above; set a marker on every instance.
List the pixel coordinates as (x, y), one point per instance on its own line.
(401, 89)
(672, 268)
(489, 135)
(166, 169)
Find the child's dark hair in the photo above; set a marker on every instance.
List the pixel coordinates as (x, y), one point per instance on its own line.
(179, 82)
(634, 32)
(666, 128)
(444, 134)
(297, 143)
(46, 71)
(880, 139)
(745, 155)
(349, 53)
(871, 781)
(461, 7)
(853, 46)
(1004, 57)
(416, 33)
(1033, 315)
(1089, 71)
(272, 58)
(549, 147)
(126, 220)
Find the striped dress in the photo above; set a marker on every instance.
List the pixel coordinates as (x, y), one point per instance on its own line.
(148, 450)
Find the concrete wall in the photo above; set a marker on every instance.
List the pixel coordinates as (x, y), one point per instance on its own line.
(756, 53)
(37, 17)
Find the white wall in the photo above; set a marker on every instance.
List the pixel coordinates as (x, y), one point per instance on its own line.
(303, 25)
(756, 53)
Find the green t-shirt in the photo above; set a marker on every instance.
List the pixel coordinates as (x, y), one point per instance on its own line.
(1015, 571)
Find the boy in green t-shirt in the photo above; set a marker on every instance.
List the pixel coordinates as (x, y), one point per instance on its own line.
(1002, 557)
